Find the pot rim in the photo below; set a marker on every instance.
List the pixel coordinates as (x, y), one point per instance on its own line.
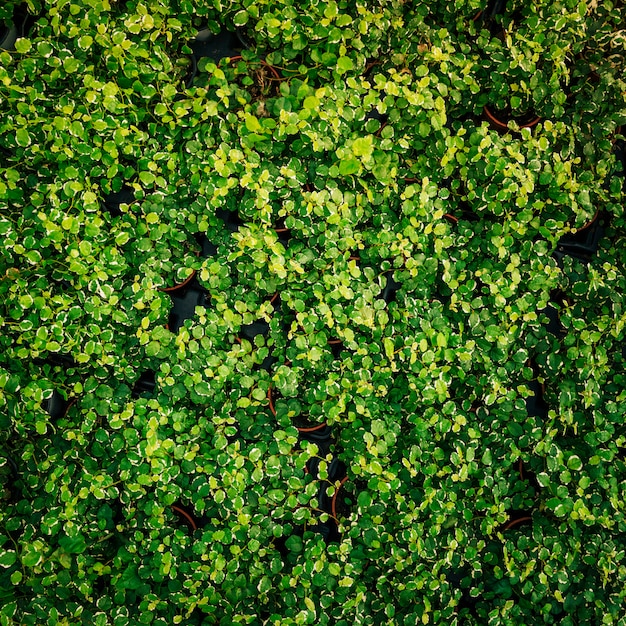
(500, 125)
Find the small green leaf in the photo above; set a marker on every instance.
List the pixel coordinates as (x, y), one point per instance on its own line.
(122, 238)
(350, 166)
(147, 178)
(344, 64)
(311, 102)
(241, 18)
(22, 137)
(23, 45)
(85, 41)
(294, 543)
(574, 463)
(252, 124)
(8, 558)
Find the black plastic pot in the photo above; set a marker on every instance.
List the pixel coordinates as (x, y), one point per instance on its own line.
(535, 404)
(250, 331)
(584, 243)
(322, 437)
(145, 385)
(528, 476)
(284, 234)
(56, 406)
(554, 325)
(60, 360)
(336, 347)
(517, 520)
(487, 19)
(17, 27)
(231, 219)
(207, 249)
(111, 202)
(392, 286)
(8, 36)
(184, 303)
(225, 44)
(9, 474)
(381, 118)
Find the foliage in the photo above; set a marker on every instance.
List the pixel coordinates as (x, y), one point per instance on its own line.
(366, 253)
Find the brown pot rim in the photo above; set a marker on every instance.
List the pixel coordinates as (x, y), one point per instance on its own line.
(516, 522)
(188, 518)
(272, 69)
(300, 430)
(333, 503)
(179, 285)
(499, 125)
(588, 224)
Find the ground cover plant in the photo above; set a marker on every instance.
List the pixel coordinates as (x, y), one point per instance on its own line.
(312, 313)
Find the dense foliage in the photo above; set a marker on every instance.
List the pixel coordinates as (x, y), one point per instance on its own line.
(404, 220)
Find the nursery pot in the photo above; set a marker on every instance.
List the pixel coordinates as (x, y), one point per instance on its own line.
(333, 502)
(392, 286)
(498, 122)
(9, 476)
(8, 36)
(145, 384)
(517, 522)
(318, 428)
(273, 70)
(179, 286)
(185, 299)
(113, 200)
(186, 517)
(583, 243)
(216, 47)
(57, 406)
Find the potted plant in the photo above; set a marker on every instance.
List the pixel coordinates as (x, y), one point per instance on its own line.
(206, 44)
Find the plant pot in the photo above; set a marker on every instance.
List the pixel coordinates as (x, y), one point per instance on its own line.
(518, 519)
(186, 517)
(8, 476)
(11, 31)
(57, 406)
(557, 301)
(231, 219)
(185, 299)
(337, 507)
(392, 286)
(381, 118)
(582, 244)
(57, 359)
(528, 476)
(112, 201)
(8, 36)
(304, 429)
(145, 385)
(226, 44)
(321, 436)
(264, 73)
(498, 120)
(207, 249)
(250, 331)
(284, 233)
(179, 286)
